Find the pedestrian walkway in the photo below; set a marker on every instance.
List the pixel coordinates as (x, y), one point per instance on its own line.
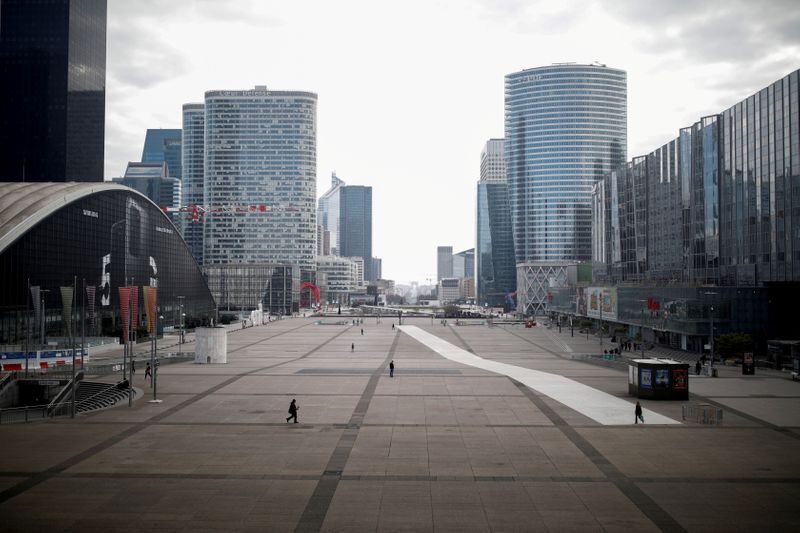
(597, 405)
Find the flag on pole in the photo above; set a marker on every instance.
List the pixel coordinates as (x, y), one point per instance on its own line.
(124, 302)
(134, 309)
(37, 303)
(150, 308)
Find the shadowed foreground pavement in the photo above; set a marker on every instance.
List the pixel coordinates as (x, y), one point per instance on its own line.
(441, 446)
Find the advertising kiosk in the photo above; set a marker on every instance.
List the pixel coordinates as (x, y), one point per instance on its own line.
(658, 379)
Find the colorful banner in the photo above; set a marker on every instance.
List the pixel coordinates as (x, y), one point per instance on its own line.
(605, 297)
(662, 378)
(150, 294)
(36, 296)
(680, 379)
(645, 378)
(66, 309)
(90, 296)
(124, 302)
(134, 309)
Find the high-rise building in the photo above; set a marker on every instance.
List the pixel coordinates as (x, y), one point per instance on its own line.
(328, 213)
(444, 262)
(377, 268)
(464, 264)
(493, 162)
(260, 177)
(193, 176)
(355, 225)
(565, 126)
(164, 145)
(153, 181)
(53, 90)
(495, 262)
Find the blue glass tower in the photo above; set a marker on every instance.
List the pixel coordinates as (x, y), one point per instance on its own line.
(355, 225)
(164, 145)
(565, 126)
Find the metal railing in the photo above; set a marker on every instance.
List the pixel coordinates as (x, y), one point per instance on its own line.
(702, 413)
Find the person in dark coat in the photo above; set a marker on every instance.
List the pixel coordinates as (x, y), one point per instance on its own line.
(638, 413)
(697, 367)
(293, 411)
(148, 373)
(391, 368)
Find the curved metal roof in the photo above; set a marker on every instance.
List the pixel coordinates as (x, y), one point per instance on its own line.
(23, 205)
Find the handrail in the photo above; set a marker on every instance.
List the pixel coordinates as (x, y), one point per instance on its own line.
(5, 380)
(67, 389)
(93, 396)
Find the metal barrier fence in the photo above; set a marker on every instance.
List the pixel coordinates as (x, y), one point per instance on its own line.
(114, 367)
(702, 413)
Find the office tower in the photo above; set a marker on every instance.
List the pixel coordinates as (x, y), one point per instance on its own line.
(260, 177)
(566, 125)
(193, 176)
(153, 181)
(355, 225)
(53, 90)
(495, 263)
(493, 162)
(328, 213)
(444, 262)
(377, 268)
(464, 264)
(164, 145)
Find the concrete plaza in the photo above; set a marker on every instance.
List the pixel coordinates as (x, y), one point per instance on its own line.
(441, 446)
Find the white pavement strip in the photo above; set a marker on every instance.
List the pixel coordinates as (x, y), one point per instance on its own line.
(597, 405)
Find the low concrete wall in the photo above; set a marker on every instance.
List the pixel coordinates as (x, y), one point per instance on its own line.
(211, 345)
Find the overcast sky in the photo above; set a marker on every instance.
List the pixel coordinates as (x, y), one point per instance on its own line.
(410, 91)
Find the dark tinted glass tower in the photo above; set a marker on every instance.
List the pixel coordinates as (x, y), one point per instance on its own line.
(53, 90)
(164, 145)
(355, 225)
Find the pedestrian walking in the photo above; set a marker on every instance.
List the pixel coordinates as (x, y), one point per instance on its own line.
(638, 413)
(133, 367)
(148, 373)
(391, 368)
(362, 331)
(697, 367)
(352, 347)
(293, 407)
(392, 326)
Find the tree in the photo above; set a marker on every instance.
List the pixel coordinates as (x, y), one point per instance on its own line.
(450, 310)
(732, 344)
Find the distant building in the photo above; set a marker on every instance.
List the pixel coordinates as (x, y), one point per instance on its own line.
(328, 213)
(53, 90)
(449, 290)
(496, 273)
(338, 277)
(359, 261)
(377, 268)
(464, 264)
(355, 225)
(444, 262)
(260, 177)
(152, 180)
(164, 145)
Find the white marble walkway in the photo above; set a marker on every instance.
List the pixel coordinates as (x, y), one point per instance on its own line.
(595, 404)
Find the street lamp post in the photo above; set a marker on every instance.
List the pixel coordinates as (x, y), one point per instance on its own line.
(711, 332)
(601, 318)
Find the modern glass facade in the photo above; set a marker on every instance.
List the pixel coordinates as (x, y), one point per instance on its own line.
(715, 206)
(464, 264)
(496, 273)
(164, 145)
(328, 213)
(241, 287)
(151, 180)
(193, 176)
(338, 277)
(52, 95)
(355, 225)
(565, 126)
(104, 234)
(260, 177)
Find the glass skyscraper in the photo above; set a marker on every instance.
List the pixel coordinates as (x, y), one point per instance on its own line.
(328, 213)
(565, 126)
(164, 145)
(53, 90)
(494, 254)
(260, 176)
(355, 225)
(193, 175)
